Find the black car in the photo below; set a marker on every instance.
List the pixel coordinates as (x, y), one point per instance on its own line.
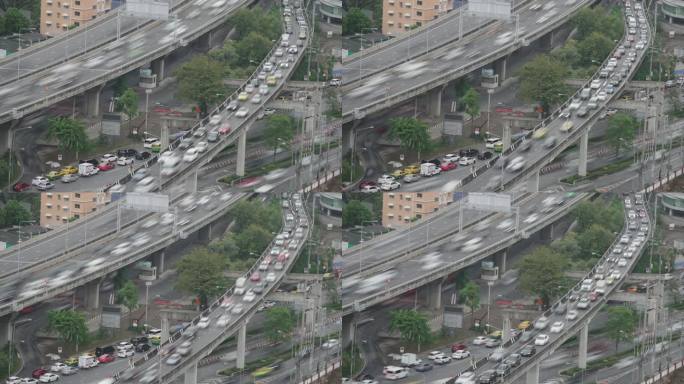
(138, 340)
(94, 162)
(107, 350)
(526, 145)
(503, 369)
(470, 152)
(485, 155)
(142, 347)
(513, 359)
(528, 350)
(127, 152)
(487, 377)
(423, 367)
(143, 155)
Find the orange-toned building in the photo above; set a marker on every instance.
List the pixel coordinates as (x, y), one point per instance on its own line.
(400, 208)
(57, 208)
(399, 16)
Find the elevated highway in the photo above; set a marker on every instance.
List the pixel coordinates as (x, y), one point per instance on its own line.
(428, 74)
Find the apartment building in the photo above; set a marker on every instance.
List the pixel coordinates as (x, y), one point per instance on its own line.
(56, 16)
(400, 208)
(57, 208)
(399, 16)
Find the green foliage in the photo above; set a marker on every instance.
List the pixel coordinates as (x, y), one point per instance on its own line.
(622, 322)
(568, 53)
(69, 325)
(128, 103)
(201, 273)
(412, 133)
(13, 213)
(252, 240)
(280, 130)
(412, 325)
(542, 81)
(568, 246)
(70, 134)
(200, 80)
(598, 19)
(355, 213)
(470, 296)
(128, 295)
(15, 21)
(355, 21)
(622, 129)
(280, 322)
(471, 103)
(596, 47)
(247, 21)
(5, 369)
(252, 47)
(247, 213)
(594, 240)
(542, 272)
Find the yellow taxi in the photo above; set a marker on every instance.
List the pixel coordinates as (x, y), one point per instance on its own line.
(524, 325)
(72, 361)
(53, 175)
(496, 334)
(243, 96)
(540, 133)
(271, 80)
(412, 169)
(69, 170)
(398, 173)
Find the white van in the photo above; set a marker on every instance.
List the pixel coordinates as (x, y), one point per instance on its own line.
(395, 373)
(240, 286)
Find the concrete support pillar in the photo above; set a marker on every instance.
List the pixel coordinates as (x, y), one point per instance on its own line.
(506, 331)
(501, 258)
(533, 183)
(583, 342)
(91, 100)
(506, 134)
(547, 232)
(532, 376)
(242, 338)
(204, 233)
(431, 294)
(164, 139)
(191, 375)
(92, 294)
(583, 150)
(164, 326)
(501, 67)
(6, 328)
(348, 329)
(158, 260)
(241, 152)
(434, 102)
(158, 68)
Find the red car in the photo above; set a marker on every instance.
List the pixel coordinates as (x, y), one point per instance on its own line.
(447, 166)
(458, 347)
(21, 187)
(282, 257)
(106, 358)
(367, 183)
(255, 276)
(225, 128)
(26, 310)
(38, 372)
(105, 167)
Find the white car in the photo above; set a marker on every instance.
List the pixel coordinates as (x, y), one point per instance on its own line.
(385, 179)
(48, 377)
(480, 340)
(541, 322)
(557, 327)
(173, 359)
(472, 244)
(602, 95)
(202, 146)
(203, 322)
(125, 345)
(595, 84)
(271, 277)
(242, 112)
(332, 343)
(451, 158)
(442, 359)
(571, 315)
(462, 354)
(108, 158)
(223, 321)
(466, 161)
(124, 161)
(190, 155)
(390, 186)
(124, 353)
(541, 339)
(38, 180)
(57, 367)
(622, 262)
(434, 354)
(249, 296)
(256, 99)
(237, 309)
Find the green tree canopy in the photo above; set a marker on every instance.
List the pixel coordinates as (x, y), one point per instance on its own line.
(470, 296)
(252, 48)
(471, 103)
(70, 134)
(280, 130)
(568, 246)
(622, 322)
(412, 133)
(280, 322)
(128, 103)
(412, 325)
(200, 80)
(586, 21)
(13, 213)
(247, 212)
(355, 21)
(542, 80)
(69, 325)
(252, 241)
(568, 53)
(355, 213)
(542, 274)
(247, 20)
(15, 21)
(595, 48)
(594, 241)
(201, 273)
(622, 129)
(128, 296)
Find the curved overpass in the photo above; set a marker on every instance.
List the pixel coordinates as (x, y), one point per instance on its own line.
(423, 74)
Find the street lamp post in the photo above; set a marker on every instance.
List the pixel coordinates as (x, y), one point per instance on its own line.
(147, 106)
(147, 298)
(489, 298)
(489, 107)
